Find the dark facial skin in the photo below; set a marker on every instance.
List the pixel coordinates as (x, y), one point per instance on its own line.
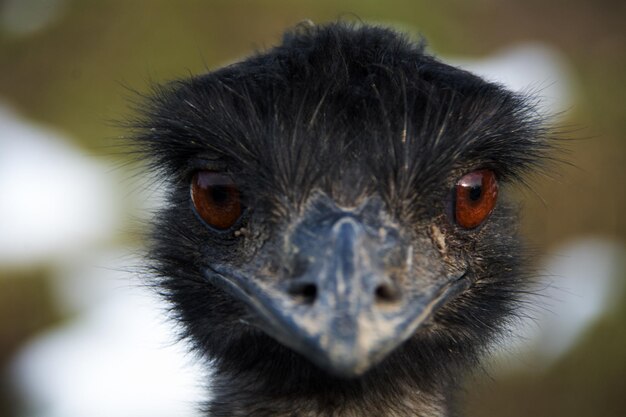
(360, 253)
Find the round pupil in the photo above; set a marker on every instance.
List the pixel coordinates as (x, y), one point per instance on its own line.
(475, 192)
(219, 194)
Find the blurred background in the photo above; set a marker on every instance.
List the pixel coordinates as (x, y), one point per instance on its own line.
(79, 337)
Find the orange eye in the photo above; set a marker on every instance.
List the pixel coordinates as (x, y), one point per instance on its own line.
(216, 199)
(476, 195)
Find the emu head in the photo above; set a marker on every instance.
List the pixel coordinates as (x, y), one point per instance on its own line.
(336, 203)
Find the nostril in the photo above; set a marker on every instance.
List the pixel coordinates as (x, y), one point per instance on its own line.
(386, 293)
(306, 293)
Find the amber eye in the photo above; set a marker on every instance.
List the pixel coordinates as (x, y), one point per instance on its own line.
(476, 195)
(216, 199)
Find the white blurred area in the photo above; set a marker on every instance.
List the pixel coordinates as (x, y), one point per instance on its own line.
(530, 68)
(582, 281)
(55, 198)
(117, 356)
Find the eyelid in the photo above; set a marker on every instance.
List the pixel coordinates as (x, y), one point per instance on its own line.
(201, 164)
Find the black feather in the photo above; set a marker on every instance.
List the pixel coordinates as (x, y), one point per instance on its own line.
(351, 112)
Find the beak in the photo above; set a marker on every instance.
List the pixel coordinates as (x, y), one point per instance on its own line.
(343, 311)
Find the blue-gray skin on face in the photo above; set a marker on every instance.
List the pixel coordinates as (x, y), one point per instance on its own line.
(345, 304)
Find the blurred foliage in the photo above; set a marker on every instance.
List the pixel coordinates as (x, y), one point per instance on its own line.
(78, 74)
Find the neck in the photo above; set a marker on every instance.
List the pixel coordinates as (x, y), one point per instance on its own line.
(248, 394)
(263, 378)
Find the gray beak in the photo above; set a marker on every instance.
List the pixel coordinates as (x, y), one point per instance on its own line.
(342, 308)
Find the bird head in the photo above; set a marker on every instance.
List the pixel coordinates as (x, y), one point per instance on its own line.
(339, 201)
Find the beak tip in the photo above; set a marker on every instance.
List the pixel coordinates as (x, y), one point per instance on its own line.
(346, 369)
(344, 360)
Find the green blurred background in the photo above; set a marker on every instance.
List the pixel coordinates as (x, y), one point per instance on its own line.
(71, 73)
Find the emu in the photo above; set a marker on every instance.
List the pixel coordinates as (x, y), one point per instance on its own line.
(336, 240)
